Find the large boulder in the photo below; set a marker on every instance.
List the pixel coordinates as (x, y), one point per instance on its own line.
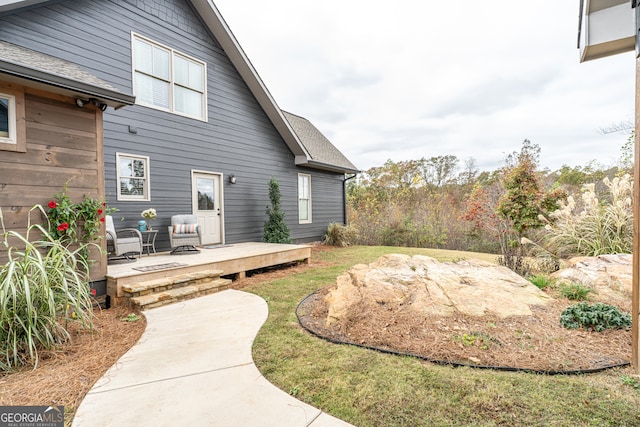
(429, 287)
(609, 276)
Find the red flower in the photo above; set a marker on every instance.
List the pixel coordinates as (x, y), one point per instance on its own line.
(93, 292)
(104, 204)
(63, 226)
(52, 204)
(100, 211)
(101, 219)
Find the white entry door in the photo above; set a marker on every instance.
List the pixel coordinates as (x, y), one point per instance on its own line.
(207, 206)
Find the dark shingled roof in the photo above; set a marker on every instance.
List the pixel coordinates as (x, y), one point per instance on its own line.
(28, 64)
(320, 149)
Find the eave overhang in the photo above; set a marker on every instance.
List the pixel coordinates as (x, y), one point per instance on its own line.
(605, 28)
(57, 84)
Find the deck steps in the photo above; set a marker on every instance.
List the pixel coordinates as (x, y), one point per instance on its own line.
(159, 292)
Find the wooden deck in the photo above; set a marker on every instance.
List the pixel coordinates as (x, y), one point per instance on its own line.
(233, 259)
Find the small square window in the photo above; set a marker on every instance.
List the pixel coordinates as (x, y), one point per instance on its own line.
(133, 177)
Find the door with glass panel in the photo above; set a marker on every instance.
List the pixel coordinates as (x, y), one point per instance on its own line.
(207, 206)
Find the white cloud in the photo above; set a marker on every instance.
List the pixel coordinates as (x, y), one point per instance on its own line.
(411, 79)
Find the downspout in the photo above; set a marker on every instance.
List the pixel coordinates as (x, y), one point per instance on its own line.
(344, 196)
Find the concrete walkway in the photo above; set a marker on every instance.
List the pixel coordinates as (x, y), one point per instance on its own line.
(193, 367)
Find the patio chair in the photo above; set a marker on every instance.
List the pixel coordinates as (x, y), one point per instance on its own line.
(184, 234)
(124, 243)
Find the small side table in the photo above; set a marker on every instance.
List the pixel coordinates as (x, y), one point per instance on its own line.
(149, 241)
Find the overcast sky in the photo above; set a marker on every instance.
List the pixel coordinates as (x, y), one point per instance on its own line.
(408, 79)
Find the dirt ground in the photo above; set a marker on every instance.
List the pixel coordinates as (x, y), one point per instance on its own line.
(63, 377)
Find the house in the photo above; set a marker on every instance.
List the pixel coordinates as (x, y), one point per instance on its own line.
(46, 141)
(201, 116)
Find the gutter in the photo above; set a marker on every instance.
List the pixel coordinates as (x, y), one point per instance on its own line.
(300, 161)
(344, 196)
(580, 17)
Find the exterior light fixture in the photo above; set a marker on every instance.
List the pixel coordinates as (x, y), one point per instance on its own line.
(232, 179)
(80, 103)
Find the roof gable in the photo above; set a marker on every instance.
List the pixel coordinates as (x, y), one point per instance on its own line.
(216, 24)
(323, 154)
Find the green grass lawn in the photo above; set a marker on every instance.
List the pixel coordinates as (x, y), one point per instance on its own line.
(367, 388)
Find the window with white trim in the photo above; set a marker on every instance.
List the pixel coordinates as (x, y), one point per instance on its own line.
(7, 119)
(169, 80)
(12, 120)
(304, 198)
(133, 177)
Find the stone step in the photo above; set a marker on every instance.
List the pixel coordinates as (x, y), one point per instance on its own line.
(173, 282)
(169, 296)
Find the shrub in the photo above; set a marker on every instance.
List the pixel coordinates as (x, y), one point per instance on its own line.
(574, 291)
(597, 316)
(340, 235)
(275, 228)
(541, 281)
(43, 287)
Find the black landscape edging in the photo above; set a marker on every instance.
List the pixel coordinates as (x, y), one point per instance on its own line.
(449, 363)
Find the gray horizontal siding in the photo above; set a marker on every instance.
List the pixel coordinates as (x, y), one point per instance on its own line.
(326, 203)
(237, 139)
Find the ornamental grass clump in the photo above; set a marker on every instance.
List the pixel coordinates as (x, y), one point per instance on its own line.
(340, 235)
(574, 291)
(592, 226)
(541, 281)
(43, 289)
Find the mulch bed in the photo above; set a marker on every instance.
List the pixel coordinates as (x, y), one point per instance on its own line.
(63, 377)
(537, 342)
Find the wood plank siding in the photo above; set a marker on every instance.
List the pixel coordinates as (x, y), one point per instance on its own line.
(63, 147)
(238, 137)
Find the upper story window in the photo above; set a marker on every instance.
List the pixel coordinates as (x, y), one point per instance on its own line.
(304, 198)
(166, 79)
(133, 177)
(12, 124)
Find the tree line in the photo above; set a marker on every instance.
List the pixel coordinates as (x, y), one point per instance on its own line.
(441, 202)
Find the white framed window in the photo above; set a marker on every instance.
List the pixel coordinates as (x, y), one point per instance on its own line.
(7, 119)
(304, 198)
(133, 177)
(168, 80)
(12, 120)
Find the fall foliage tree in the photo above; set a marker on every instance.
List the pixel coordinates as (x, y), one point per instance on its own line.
(525, 203)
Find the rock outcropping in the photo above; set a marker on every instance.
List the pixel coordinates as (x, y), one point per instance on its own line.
(609, 276)
(429, 287)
